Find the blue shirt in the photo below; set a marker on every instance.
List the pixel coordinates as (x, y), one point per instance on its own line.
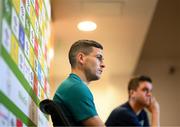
(125, 116)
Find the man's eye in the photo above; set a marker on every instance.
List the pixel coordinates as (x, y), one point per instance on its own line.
(99, 58)
(145, 90)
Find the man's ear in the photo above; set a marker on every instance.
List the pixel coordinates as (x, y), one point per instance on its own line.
(131, 92)
(80, 57)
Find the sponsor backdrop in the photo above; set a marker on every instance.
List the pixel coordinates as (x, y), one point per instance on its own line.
(24, 61)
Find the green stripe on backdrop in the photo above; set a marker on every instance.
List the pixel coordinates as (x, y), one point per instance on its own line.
(1, 8)
(19, 75)
(15, 110)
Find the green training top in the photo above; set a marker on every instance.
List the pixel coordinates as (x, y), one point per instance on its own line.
(76, 97)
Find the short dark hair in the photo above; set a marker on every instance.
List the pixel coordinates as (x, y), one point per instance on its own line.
(84, 46)
(134, 82)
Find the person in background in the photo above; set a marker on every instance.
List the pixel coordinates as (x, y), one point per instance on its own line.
(132, 112)
(86, 59)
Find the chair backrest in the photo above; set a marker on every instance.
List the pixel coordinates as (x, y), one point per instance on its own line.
(56, 111)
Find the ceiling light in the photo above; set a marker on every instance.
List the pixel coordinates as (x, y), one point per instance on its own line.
(86, 26)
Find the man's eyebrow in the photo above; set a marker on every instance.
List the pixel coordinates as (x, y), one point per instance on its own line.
(147, 89)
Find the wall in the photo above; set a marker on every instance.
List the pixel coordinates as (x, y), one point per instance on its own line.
(24, 63)
(160, 59)
(109, 93)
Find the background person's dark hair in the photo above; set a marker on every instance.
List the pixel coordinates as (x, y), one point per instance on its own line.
(134, 82)
(84, 46)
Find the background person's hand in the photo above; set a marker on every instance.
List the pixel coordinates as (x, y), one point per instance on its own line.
(155, 112)
(154, 106)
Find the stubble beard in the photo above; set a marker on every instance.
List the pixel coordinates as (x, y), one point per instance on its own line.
(90, 76)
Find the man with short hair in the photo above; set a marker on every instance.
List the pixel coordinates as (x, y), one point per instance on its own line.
(132, 113)
(86, 59)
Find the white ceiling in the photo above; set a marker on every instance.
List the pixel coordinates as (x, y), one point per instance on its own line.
(122, 26)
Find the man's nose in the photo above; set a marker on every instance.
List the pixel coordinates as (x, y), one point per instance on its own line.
(103, 65)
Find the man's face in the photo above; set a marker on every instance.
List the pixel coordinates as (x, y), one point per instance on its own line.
(93, 65)
(143, 93)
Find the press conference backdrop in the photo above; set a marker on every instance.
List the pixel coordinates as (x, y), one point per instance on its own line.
(24, 61)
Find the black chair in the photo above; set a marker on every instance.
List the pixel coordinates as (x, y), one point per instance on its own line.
(56, 111)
